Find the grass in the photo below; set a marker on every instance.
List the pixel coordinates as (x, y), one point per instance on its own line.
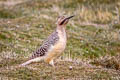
(62, 71)
(92, 34)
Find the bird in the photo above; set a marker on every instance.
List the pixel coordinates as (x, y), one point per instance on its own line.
(53, 46)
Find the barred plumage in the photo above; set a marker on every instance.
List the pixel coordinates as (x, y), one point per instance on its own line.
(53, 46)
(52, 39)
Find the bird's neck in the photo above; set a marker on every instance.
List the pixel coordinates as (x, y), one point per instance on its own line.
(61, 32)
(60, 28)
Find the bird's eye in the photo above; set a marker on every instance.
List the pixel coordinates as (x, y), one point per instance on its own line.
(63, 17)
(58, 16)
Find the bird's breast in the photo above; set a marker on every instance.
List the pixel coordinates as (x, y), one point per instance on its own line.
(60, 45)
(62, 40)
(56, 49)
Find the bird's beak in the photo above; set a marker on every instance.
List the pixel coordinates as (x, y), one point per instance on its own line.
(66, 19)
(69, 17)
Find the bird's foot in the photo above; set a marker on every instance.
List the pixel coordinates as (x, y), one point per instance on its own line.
(52, 63)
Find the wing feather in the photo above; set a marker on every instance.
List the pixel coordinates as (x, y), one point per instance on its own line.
(51, 40)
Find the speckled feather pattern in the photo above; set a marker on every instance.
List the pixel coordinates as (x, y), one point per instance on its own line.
(53, 46)
(42, 51)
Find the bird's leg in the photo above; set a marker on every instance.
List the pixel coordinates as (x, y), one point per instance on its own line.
(52, 63)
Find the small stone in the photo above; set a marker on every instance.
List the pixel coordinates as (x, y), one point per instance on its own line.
(70, 67)
(17, 26)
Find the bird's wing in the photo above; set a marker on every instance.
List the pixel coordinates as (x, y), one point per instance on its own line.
(52, 39)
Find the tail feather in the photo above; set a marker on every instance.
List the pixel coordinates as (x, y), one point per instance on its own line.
(31, 61)
(26, 63)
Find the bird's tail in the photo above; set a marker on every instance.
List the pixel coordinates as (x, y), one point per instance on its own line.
(31, 61)
(26, 63)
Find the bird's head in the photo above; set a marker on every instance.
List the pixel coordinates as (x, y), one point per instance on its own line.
(62, 20)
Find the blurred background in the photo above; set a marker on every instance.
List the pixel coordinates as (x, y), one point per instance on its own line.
(93, 34)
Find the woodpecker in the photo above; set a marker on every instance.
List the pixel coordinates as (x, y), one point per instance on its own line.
(53, 46)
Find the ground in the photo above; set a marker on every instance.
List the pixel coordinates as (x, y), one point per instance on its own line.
(65, 70)
(93, 48)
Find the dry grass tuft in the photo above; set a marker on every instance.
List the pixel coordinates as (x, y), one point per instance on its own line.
(109, 62)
